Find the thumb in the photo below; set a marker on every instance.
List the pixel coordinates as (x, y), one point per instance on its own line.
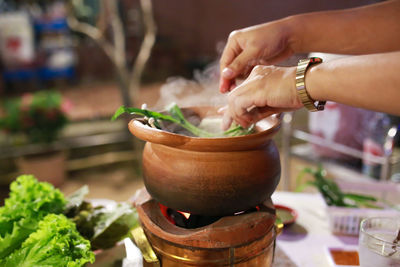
(239, 64)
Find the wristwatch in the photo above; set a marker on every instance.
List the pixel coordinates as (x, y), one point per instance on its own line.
(305, 98)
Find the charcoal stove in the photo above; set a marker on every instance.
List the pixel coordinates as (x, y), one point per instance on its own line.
(243, 239)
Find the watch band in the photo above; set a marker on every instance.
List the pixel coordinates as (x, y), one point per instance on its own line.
(305, 98)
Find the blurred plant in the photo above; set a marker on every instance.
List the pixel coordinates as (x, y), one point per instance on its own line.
(39, 116)
(332, 193)
(101, 21)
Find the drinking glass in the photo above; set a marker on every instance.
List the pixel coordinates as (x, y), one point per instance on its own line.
(378, 244)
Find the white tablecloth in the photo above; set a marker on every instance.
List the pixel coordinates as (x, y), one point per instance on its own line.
(306, 241)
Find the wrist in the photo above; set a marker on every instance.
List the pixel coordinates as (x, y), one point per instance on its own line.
(295, 33)
(313, 85)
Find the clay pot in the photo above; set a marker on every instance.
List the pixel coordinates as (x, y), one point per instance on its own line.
(210, 176)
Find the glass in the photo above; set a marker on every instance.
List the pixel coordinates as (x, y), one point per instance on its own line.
(378, 244)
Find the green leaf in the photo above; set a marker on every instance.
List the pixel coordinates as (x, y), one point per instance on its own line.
(300, 176)
(331, 192)
(358, 197)
(20, 231)
(177, 117)
(112, 226)
(75, 200)
(303, 186)
(237, 130)
(118, 112)
(29, 202)
(359, 200)
(56, 242)
(144, 113)
(176, 112)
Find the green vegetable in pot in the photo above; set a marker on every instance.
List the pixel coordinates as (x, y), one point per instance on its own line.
(28, 203)
(176, 116)
(56, 242)
(331, 192)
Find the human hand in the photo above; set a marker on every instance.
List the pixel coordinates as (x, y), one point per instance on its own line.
(264, 44)
(267, 90)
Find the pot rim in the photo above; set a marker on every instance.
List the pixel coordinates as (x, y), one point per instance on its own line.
(232, 143)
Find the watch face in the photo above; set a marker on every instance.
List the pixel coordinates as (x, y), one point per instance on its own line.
(315, 60)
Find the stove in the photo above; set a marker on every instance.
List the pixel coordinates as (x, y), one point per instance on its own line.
(181, 239)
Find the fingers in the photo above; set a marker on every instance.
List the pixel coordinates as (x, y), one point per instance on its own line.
(227, 119)
(231, 50)
(246, 100)
(250, 117)
(225, 85)
(240, 64)
(235, 60)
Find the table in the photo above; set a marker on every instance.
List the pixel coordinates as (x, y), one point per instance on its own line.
(306, 241)
(302, 244)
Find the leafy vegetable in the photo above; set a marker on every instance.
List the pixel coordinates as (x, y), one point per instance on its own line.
(331, 192)
(28, 203)
(56, 242)
(104, 227)
(33, 232)
(176, 116)
(112, 226)
(75, 200)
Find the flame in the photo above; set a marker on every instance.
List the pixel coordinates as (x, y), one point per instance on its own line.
(164, 211)
(186, 214)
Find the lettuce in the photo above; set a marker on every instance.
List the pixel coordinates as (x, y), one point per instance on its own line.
(112, 226)
(29, 202)
(56, 242)
(35, 229)
(102, 226)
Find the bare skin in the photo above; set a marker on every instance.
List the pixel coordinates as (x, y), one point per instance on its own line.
(369, 80)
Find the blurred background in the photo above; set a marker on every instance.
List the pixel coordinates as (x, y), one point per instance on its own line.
(66, 66)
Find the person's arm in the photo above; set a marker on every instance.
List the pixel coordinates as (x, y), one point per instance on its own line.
(363, 30)
(366, 81)
(369, 29)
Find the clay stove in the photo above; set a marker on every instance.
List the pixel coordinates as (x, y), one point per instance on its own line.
(244, 239)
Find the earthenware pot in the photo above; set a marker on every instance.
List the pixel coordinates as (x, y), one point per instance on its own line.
(210, 176)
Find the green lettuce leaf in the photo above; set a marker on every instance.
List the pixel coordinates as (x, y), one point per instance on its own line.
(56, 242)
(29, 202)
(105, 227)
(75, 200)
(113, 225)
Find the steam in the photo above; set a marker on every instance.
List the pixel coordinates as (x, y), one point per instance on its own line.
(201, 91)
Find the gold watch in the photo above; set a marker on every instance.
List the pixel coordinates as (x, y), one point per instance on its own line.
(305, 98)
